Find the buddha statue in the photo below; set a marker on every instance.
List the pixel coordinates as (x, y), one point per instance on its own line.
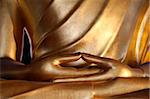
(80, 49)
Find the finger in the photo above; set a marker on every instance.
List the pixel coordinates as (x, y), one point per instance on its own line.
(96, 77)
(105, 62)
(67, 58)
(65, 72)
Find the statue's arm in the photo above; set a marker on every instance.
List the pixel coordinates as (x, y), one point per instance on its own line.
(90, 90)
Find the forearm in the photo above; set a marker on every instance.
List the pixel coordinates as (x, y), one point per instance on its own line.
(81, 90)
(121, 86)
(11, 69)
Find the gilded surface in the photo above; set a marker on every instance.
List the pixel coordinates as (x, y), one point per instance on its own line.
(81, 49)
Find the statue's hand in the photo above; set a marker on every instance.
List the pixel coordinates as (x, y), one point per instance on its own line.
(50, 68)
(111, 69)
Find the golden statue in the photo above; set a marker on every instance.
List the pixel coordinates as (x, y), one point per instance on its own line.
(81, 49)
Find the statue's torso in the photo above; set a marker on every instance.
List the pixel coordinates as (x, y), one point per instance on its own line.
(105, 28)
(117, 29)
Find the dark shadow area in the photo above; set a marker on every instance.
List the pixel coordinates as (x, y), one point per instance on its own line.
(26, 58)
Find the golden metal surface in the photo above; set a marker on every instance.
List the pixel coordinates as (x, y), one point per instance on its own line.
(81, 49)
